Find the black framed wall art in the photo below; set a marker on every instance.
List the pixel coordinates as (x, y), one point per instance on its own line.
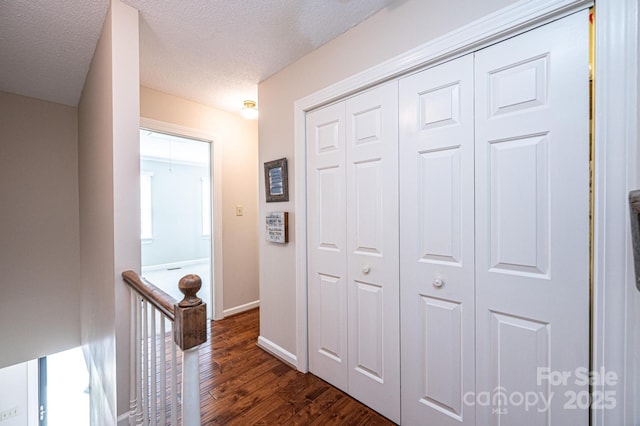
(276, 180)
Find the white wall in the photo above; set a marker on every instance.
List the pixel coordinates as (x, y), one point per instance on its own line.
(394, 30)
(109, 207)
(239, 138)
(39, 234)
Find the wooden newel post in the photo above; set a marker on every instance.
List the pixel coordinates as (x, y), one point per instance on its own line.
(190, 332)
(191, 314)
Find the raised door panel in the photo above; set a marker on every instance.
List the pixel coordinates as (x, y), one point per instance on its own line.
(369, 208)
(532, 223)
(442, 354)
(520, 86)
(372, 245)
(326, 245)
(331, 334)
(369, 336)
(520, 350)
(437, 244)
(519, 205)
(327, 198)
(439, 185)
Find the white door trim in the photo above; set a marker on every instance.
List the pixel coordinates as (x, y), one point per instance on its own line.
(216, 187)
(506, 22)
(615, 300)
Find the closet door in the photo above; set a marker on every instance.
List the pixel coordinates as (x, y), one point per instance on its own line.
(532, 226)
(372, 244)
(326, 239)
(352, 196)
(437, 244)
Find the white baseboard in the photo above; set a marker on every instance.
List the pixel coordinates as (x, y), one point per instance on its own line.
(278, 351)
(241, 308)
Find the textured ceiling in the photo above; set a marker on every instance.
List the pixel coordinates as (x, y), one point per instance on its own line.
(46, 46)
(210, 51)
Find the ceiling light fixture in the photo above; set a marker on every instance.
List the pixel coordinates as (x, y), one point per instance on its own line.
(249, 111)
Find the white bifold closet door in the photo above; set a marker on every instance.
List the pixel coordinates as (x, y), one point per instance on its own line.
(532, 225)
(502, 135)
(353, 271)
(437, 244)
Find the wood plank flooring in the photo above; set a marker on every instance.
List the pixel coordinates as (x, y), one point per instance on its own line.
(243, 385)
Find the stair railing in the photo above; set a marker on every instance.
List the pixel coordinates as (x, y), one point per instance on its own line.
(154, 360)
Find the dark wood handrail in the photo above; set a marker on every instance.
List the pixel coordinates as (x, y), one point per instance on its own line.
(189, 315)
(158, 298)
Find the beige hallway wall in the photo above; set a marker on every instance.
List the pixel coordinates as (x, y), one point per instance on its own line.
(39, 228)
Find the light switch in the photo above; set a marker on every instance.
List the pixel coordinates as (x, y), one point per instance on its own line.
(239, 210)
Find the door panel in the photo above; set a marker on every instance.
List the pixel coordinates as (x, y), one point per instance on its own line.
(326, 239)
(519, 347)
(437, 244)
(442, 322)
(368, 215)
(532, 222)
(439, 177)
(519, 86)
(369, 353)
(328, 189)
(372, 241)
(352, 196)
(519, 205)
(331, 342)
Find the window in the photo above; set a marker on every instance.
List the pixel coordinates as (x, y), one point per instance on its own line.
(146, 209)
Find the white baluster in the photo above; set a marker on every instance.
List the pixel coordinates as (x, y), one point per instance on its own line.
(145, 364)
(190, 387)
(132, 361)
(138, 369)
(174, 381)
(163, 372)
(153, 360)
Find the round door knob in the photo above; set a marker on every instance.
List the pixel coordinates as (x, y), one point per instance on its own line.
(366, 269)
(437, 282)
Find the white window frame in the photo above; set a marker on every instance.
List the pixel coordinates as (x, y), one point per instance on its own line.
(205, 190)
(146, 207)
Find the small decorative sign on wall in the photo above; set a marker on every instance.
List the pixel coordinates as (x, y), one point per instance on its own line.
(278, 227)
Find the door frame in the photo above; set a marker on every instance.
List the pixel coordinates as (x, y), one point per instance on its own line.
(43, 403)
(615, 303)
(217, 311)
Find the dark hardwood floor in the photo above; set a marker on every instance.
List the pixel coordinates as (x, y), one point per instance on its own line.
(243, 385)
